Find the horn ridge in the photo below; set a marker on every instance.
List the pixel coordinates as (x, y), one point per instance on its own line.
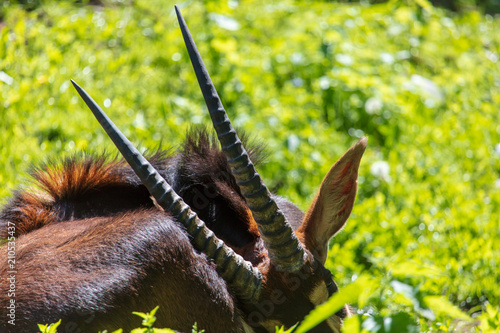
(264, 209)
(232, 267)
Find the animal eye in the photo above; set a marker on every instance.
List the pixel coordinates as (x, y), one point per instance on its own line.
(332, 287)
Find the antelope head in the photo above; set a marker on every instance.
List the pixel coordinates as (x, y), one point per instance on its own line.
(290, 278)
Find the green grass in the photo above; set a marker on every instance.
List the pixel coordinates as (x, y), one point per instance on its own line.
(308, 79)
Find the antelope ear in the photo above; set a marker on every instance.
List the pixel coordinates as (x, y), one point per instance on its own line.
(333, 204)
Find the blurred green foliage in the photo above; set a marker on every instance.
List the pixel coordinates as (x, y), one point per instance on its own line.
(307, 79)
(487, 6)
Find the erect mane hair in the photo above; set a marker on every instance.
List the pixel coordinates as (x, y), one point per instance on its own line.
(205, 182)
(200, 161)
(89, 185)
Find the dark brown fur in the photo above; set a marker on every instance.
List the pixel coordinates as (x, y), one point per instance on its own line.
(90, 217)
(93, 273)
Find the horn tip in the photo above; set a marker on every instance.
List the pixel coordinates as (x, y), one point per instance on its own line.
(178, 12)
(79, 89)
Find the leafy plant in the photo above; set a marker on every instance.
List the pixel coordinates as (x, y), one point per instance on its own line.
(50, 328)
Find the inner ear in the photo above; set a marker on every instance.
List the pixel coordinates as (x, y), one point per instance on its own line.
(333, 203)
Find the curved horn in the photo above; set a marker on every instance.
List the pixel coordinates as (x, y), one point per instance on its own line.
(284, 248)
(244, 279)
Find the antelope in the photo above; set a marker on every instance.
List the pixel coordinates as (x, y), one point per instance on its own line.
(196, 232)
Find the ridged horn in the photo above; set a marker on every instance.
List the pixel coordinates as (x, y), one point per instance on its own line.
(244, 279)
(285, 250)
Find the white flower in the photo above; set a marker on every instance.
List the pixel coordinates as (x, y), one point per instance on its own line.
(427, 87)
(293, 142)
(387, 58)
(225, 22)
(381, 169)
(373, 105)
(497, 149)
(344, 59)
(324, 82)
(5, 78)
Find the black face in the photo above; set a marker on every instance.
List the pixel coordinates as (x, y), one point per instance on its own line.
(292, 296)
(331, 286)
(332, 289)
